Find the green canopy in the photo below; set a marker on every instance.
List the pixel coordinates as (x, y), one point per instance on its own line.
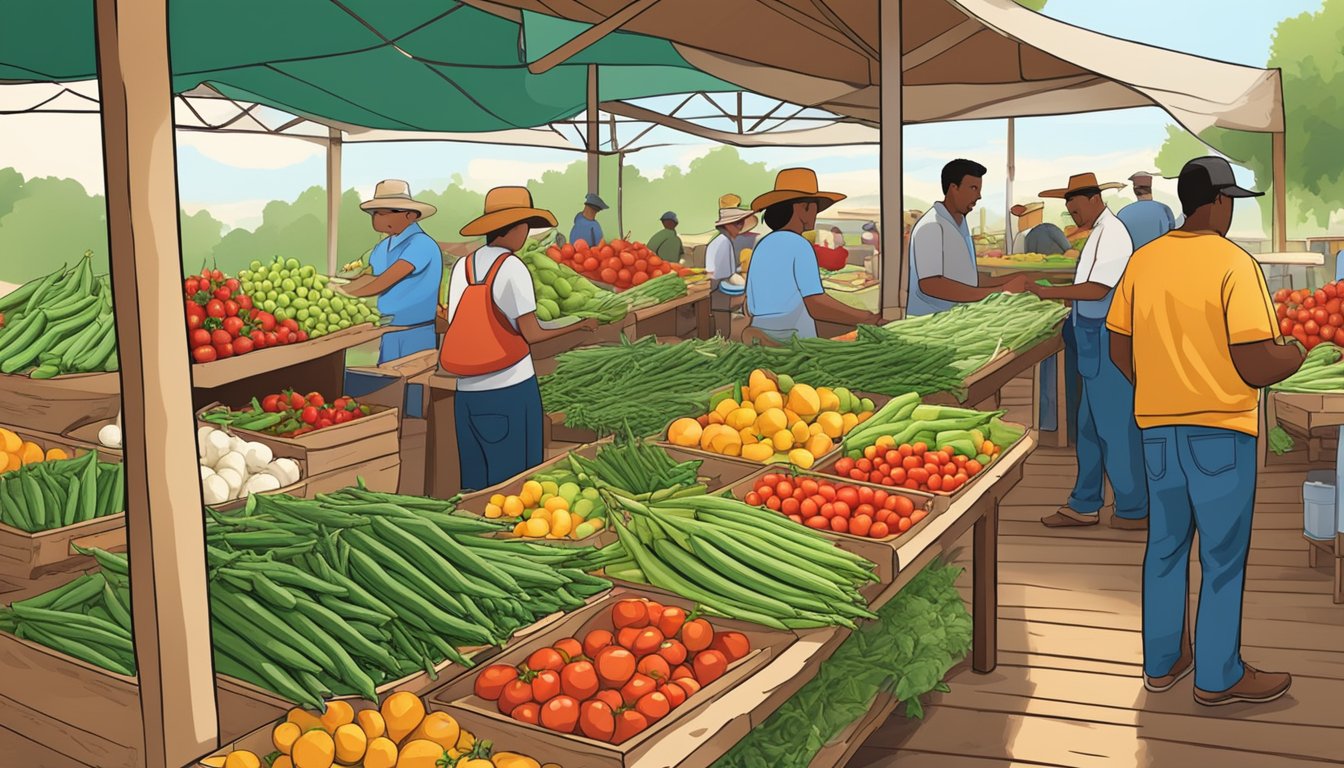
(407, 65)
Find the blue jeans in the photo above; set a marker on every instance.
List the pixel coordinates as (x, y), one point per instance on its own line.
(499, 433)
(1199, 479)
(398, 344)
(1108, 437)
(1072, 386)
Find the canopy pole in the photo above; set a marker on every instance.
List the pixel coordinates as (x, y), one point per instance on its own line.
(591, 118)
(1008, 200)
(1280, 221)
(891, 271)
(170, 612)
(620, 181)
(334, 192)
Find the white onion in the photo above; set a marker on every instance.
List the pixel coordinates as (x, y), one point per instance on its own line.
(235, 461)
(257, 456)
(260, 484)
(110, 436)
(232, 479)
(215, 490)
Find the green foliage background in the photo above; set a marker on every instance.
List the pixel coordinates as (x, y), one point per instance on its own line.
(44, 221)
(1307, 49)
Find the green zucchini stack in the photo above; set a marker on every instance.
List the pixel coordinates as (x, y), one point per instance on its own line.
(54, 494)
(59, 324)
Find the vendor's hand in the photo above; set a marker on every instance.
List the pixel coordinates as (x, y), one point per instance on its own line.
(1015, 284)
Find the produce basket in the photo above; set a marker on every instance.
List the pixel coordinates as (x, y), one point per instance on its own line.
(59, 404)
(881, 551)
(25, 555)
(458, 698)
(336, 447)
(86, 436)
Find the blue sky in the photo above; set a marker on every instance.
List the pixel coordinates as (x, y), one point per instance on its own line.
(234, 178)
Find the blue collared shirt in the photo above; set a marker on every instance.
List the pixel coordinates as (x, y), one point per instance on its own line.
(1146, 221)
(413, 300)
(939, 247)
(783, 272)
(588, 231)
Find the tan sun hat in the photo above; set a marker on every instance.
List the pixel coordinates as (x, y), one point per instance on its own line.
(1023, 210)
(395, 194)
(1078, 182)
(506, 206)
(796, 184)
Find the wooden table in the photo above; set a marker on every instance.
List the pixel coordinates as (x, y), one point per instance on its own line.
(685, 317)
(315, 365)
(1315, 417)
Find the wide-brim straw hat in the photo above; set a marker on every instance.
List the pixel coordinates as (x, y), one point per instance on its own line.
(1080, 182)
(1023, 210)
(734, 215)
(395, 194)
(796, 184)
(504, 207)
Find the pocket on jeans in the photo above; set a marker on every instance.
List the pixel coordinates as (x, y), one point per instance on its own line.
(1155, 457)
(1089, 351)
(490, 427)
(1213, 454)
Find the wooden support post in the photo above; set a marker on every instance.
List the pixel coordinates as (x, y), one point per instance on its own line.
(1008, 196)
(620, 180)
(590, 117)
(1280, 161)
(891, 269)
(334, 192)
(984, 590)
(164, 527)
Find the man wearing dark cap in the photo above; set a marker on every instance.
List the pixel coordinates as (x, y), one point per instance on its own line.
(1146, 219)
(665, 242)
(586, 227)
(1193, 326)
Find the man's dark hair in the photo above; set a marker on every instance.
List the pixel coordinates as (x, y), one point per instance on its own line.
(956, 172)
(1143, 190)
(1084, 192)
(498, 233)
(1195, 192)
(779, 215)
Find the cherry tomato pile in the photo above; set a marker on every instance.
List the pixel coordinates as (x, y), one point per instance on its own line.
(842, 508)
(311, 412)
(614, 683)
(916, 467)
(618, 263)
(222, 321)
(1311, 316)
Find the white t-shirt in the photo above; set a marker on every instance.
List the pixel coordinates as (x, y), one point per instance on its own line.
(721, 258)
(514, 295)
(1103, 261)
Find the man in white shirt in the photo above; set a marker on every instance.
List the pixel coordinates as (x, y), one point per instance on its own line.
(1108, 444)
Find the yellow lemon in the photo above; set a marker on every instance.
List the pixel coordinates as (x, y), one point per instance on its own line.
(832, 423)
(685, 433)
(242, 759)
(338, 713)
(314, 749)
(827, 399)
(536, 528)
(561, 523)
(771, 421)
(727, 406)
(350, 743)
(819, 445)
(283, 761)
(848, 422)
(371, 720)
(420, 753)
(306, 720)
(56, 454)
(493, 511)
(767, 400)
(741, 418)
(804, 401)
(402, 711)
(513, 506)
(532, 489)
(9, 442)
(497, 499)
(800, 433)
(801, 458)
(556, 504)
(382, 753)
(761, 452)
(284, 736)
(30, 453)
(440, 728)
(782, 440)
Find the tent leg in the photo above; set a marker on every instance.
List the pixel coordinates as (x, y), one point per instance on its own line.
(892, 264)
(166, 542)
(333, 197)
(594, 159)
(1280, 221)
(1008, 200)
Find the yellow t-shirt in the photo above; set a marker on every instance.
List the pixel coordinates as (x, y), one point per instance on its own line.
(1184, 298)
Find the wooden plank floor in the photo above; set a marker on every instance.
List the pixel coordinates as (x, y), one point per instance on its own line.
(1069, 690)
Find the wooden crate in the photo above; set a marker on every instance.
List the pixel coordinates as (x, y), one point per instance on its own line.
(881, 552)
(59, 404)
(87, 713)
(27, 556)
(482, 717)
(381, 474)
(86, 436)
(336, 447)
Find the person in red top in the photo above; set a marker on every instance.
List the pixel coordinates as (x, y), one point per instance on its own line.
(492, 324)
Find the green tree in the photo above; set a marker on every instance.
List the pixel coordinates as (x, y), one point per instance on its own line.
(201, 232)
(1035, 5)
(1306, 48)
(52, 222)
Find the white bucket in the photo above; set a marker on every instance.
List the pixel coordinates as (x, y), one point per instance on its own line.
(1318, 505)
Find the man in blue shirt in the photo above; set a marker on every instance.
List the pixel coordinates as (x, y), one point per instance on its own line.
(784, 292)
(407, 268)
(586, 227)
(1145, 219)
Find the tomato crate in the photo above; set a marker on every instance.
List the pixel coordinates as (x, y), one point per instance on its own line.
(663, 741)
(26, 556)
(880, 551)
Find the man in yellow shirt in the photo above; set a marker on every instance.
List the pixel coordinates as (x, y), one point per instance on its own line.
(1192, 325)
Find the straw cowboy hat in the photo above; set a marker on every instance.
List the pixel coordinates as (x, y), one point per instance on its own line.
(395, 194)
(504, 207)
(796, 184)
(731, 212)
(1023, 210)
(1079, 182)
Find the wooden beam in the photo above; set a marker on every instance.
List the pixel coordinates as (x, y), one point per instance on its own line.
(840, 26)
(731, 138)
(1008, 198)
(164, 526)
(590, 118)
(1280, 165)
(892, 264)
(941, 44)
(589, 36)
(334, 192)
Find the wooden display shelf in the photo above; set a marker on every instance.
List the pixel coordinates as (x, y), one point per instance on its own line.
(60, 404)
(1332, 549)
(684, 317)
(1308, 413)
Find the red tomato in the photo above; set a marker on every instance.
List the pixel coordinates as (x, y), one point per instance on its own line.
(783, 488)
(818, 522)
(597, 720)
(709, 666)
(309, 416)
(674, 652)
(233, 326)
(808, 508)
(192, 285)
(840, 524)
(223, 294)
(935, 482)
(636, 687)
(545, 686)
(676, 695)
(560, 714)
(1313, 340)
(315, 398)
(242, 345)
(200, 337)
(231, 308)
(671, 621)
(733, 645)
(615, 666)
(595, 641)
(753, 498)
(579, 679)
(491, 681)
(697, 634)
(220, 336)
(827, 492)
(879, 531)
(629, 723)
(244, 302)
(296, 401)
(656, 667)
(626, 637)
(204, 354)
(258, 339)
(841, 509)
(843, 466)
(515, 694)
(1328, 332)
(789, 506)
(291, 324)
(224, 350)
(271, 404)
(648, 641)
(611, 698)
(653, 705)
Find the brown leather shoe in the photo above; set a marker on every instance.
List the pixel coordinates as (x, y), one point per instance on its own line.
(1065, 517)
(1255, 687)
(1183, 666)
(1128, 524)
